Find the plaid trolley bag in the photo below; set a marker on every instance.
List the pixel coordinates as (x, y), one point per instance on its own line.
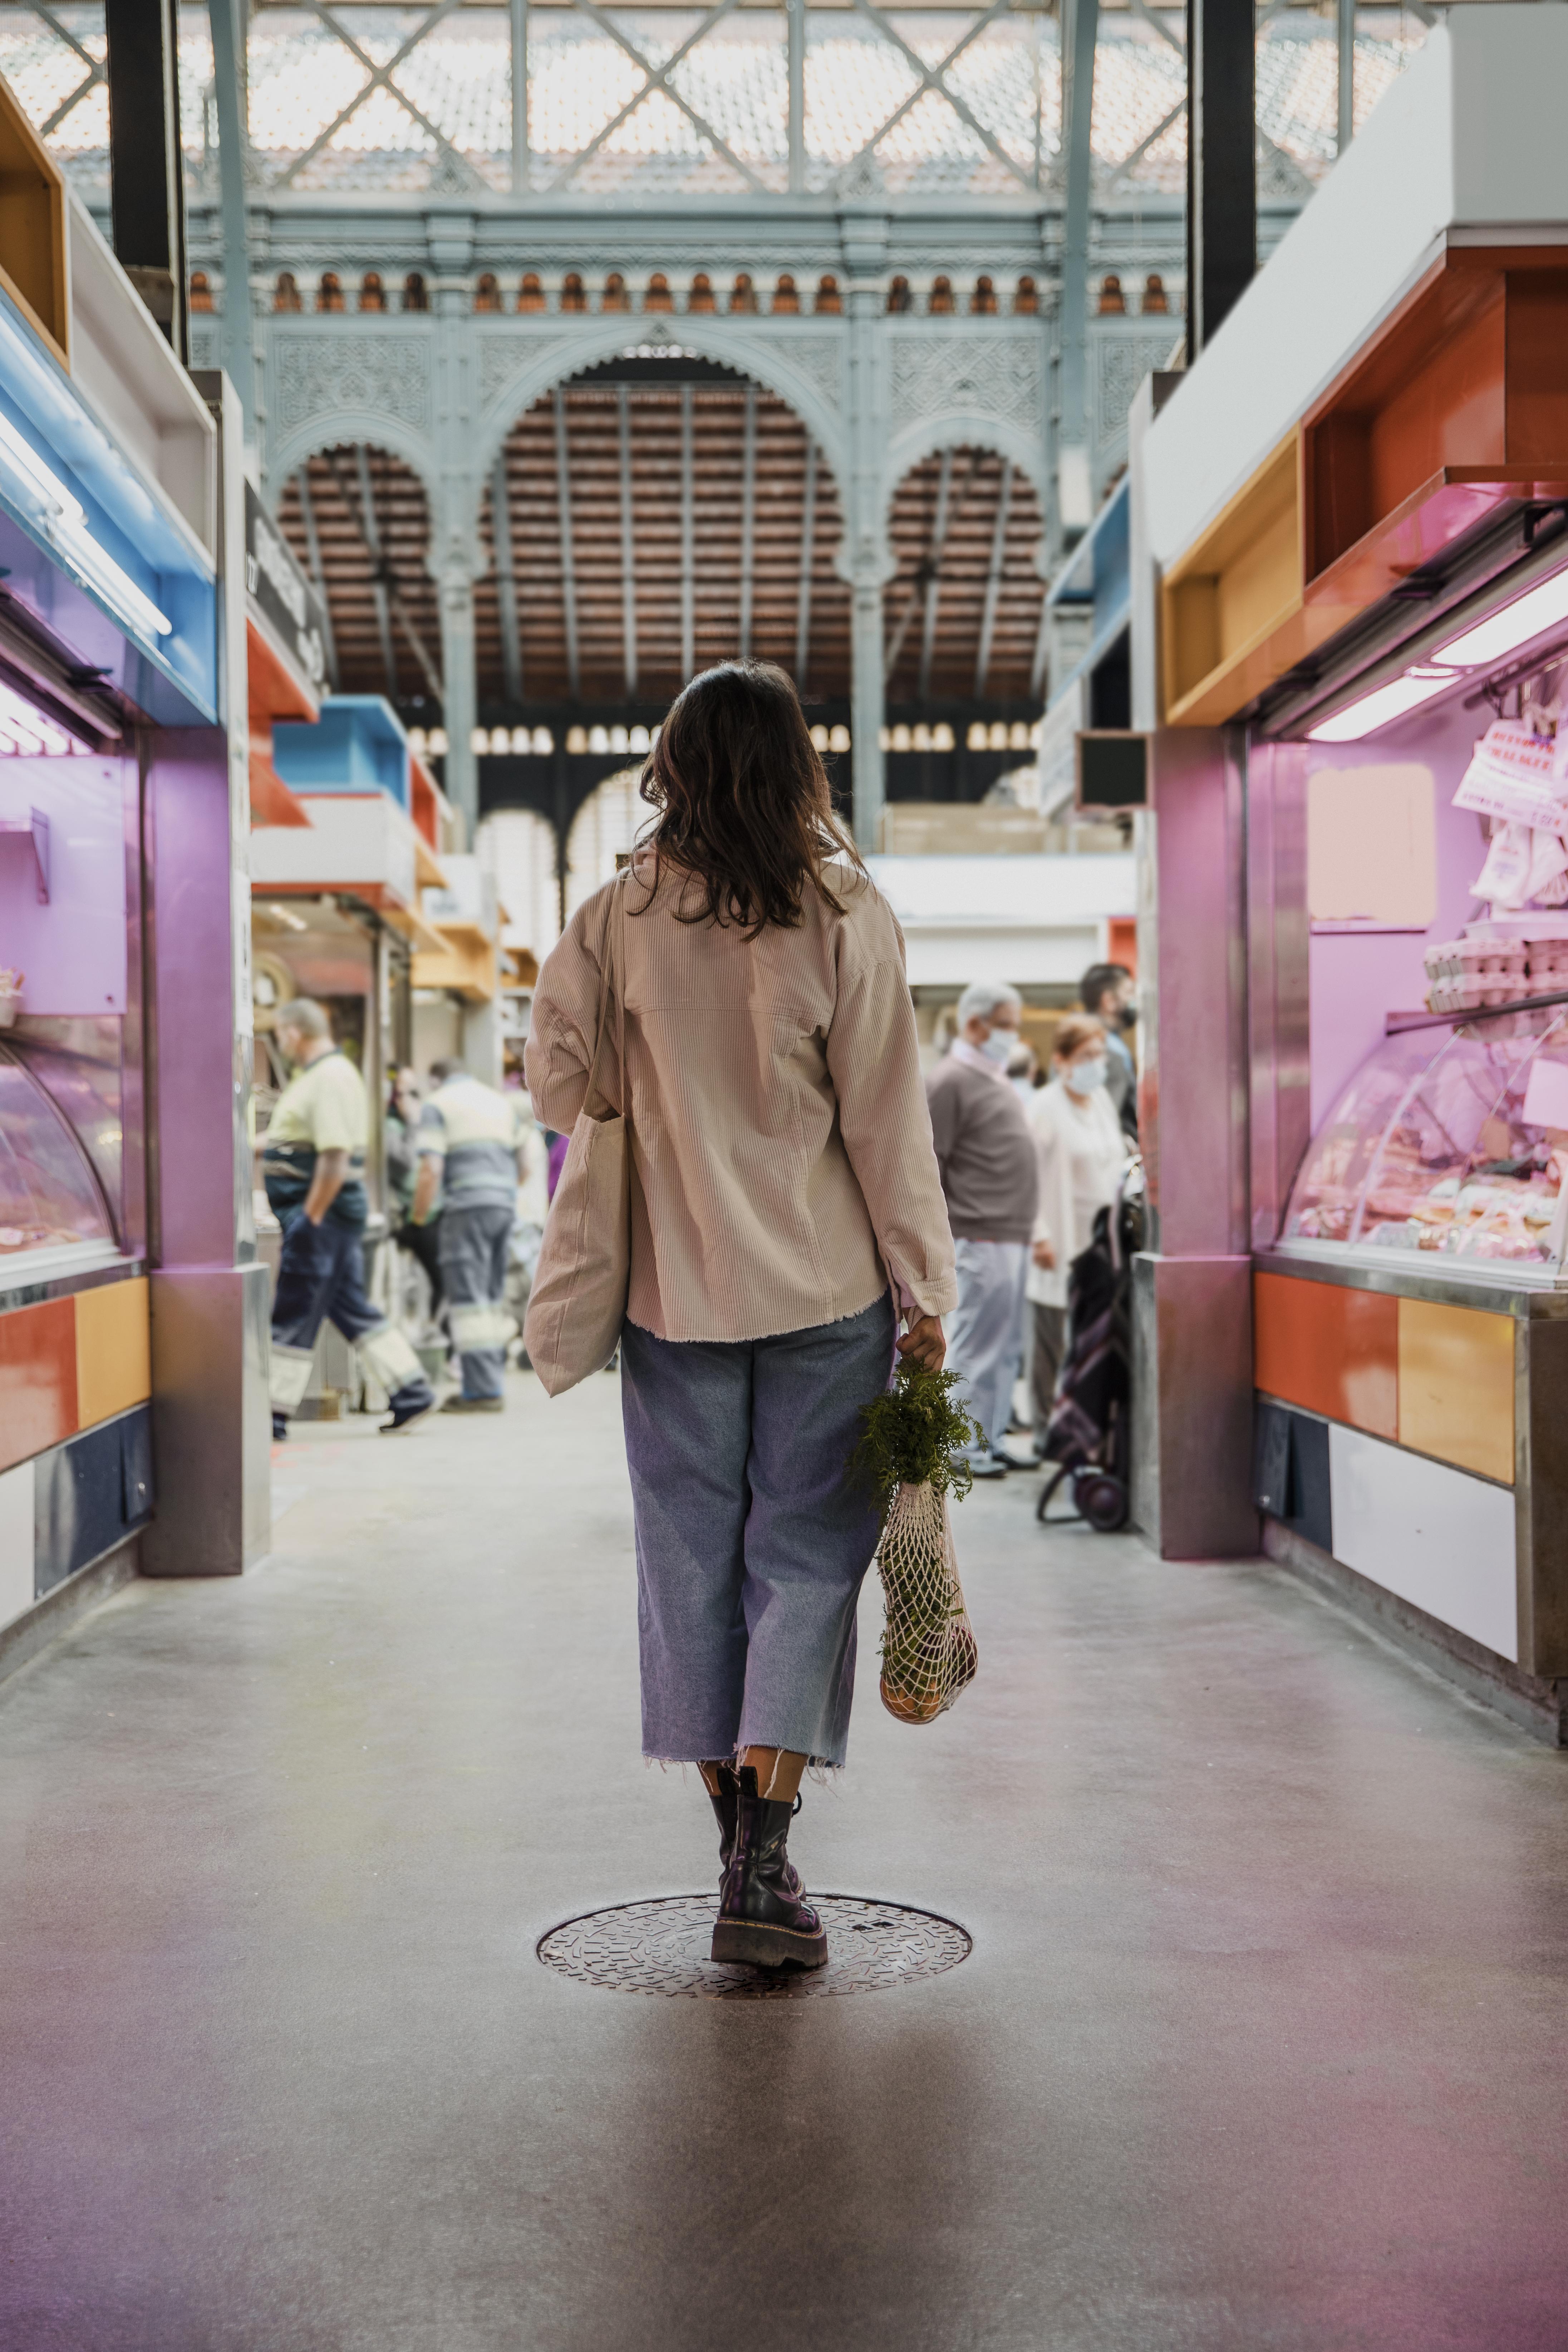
(1089, 1432)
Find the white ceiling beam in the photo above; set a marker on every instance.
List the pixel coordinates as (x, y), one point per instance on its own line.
(807, 563)
(748, 516)
(993, 580)
(687, 543)
(628, 544)
(506, 581)
(568, 560)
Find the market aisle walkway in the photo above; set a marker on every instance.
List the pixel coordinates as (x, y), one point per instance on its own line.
(1261, 2043)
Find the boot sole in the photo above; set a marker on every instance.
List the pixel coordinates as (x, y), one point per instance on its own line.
(740, 1943)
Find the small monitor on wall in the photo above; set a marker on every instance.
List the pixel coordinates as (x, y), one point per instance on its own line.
(1113, 771)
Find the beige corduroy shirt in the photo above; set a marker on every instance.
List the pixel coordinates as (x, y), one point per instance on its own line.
(780, 1144)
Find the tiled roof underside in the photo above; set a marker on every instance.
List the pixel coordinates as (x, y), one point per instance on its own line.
(718, 442)
(458, 77)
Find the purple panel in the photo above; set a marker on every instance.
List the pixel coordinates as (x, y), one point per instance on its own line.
(72, 950)
(196, 1073)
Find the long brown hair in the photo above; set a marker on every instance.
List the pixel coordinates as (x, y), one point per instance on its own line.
(744, 800)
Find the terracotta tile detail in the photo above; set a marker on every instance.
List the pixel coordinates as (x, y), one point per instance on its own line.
(38, 1379)
(1329, 1350)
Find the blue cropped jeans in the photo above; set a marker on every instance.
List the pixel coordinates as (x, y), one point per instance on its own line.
(751, 1538)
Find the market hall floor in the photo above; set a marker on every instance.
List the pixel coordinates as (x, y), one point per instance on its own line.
(1261, 2042)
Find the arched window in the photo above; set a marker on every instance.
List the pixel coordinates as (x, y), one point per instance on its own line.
(1027, 300)
(743, 294)
(1157, 304)
(828, 302)
(941, 303)
(572, 295)
(372, 292)
(982, 301)
(614, 294)
(201, 290)
(415, 298)
(787, 296)
(329, 293)
(1112, 301)
(658, 296)
(701, 295)
(531, 293)
(487, 293)
(286, 293)
(898, 295)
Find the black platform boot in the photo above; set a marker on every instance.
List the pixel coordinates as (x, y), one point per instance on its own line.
(762, 1923)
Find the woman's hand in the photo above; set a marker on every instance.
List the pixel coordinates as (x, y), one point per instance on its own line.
(1043, 1256)
(924, 1343)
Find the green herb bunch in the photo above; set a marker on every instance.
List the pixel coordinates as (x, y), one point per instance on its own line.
(912, 1434)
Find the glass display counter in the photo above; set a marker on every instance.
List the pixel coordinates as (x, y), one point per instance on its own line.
(52, 1210)
(1428, 1151)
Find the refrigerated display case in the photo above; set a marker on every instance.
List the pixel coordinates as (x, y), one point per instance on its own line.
(1428, 1149)
(53, 1215)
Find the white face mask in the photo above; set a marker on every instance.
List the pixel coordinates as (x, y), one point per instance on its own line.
(1086, 1078)
(1000, 1047)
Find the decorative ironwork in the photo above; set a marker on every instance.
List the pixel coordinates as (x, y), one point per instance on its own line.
(660, 1947)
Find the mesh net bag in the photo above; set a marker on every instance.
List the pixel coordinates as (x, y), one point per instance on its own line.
(928, 1651)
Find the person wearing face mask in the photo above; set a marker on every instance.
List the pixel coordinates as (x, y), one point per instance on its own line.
(1081, 1155)
(986, 1156)
(1107, 993)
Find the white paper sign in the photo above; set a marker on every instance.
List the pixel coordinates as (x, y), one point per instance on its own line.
(1518, 776)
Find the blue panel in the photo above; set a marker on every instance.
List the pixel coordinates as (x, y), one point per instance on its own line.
(1097, 573)
(123, 520)
(357, 745)
(88, 1494)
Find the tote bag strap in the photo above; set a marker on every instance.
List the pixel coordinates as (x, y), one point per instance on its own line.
(611, 937)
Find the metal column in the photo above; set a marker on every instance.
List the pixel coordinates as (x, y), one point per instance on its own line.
(235, 341)
(147, 189)
(1222, 163)
(212, 1427)
(868, 563)
(1346, 74)
(1075, 494)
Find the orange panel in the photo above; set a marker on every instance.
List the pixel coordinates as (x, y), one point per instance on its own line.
(113, 1349)
(1456, 1386)
(276, 690)
(1329, 1350)
(38, 1379)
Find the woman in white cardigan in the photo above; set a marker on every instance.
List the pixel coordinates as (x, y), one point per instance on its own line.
(1082, 1155)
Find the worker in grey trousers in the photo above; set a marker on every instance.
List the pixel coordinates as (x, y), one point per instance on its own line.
(470, 1139)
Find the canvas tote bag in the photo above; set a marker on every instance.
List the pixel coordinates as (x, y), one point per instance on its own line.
(578, 1302)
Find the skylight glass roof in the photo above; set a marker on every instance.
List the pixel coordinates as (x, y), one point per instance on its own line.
(321, 121)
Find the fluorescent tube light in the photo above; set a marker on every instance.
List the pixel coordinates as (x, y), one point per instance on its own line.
(65, 523)
(1381, 707)
(1500, 632)
(24, 730)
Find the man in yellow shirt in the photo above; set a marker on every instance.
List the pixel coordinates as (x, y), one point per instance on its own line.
(313, 1168)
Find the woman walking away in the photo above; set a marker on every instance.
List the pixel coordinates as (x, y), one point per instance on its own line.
(1083, 1154)
(783, 1176)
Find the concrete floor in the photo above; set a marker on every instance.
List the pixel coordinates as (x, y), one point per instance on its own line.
(1261, 2044)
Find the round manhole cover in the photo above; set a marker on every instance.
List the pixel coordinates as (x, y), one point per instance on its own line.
(662, 1947)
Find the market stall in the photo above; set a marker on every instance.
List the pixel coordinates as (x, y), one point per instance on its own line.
(122, 1264)
(336, 915)
(1353, 1326)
